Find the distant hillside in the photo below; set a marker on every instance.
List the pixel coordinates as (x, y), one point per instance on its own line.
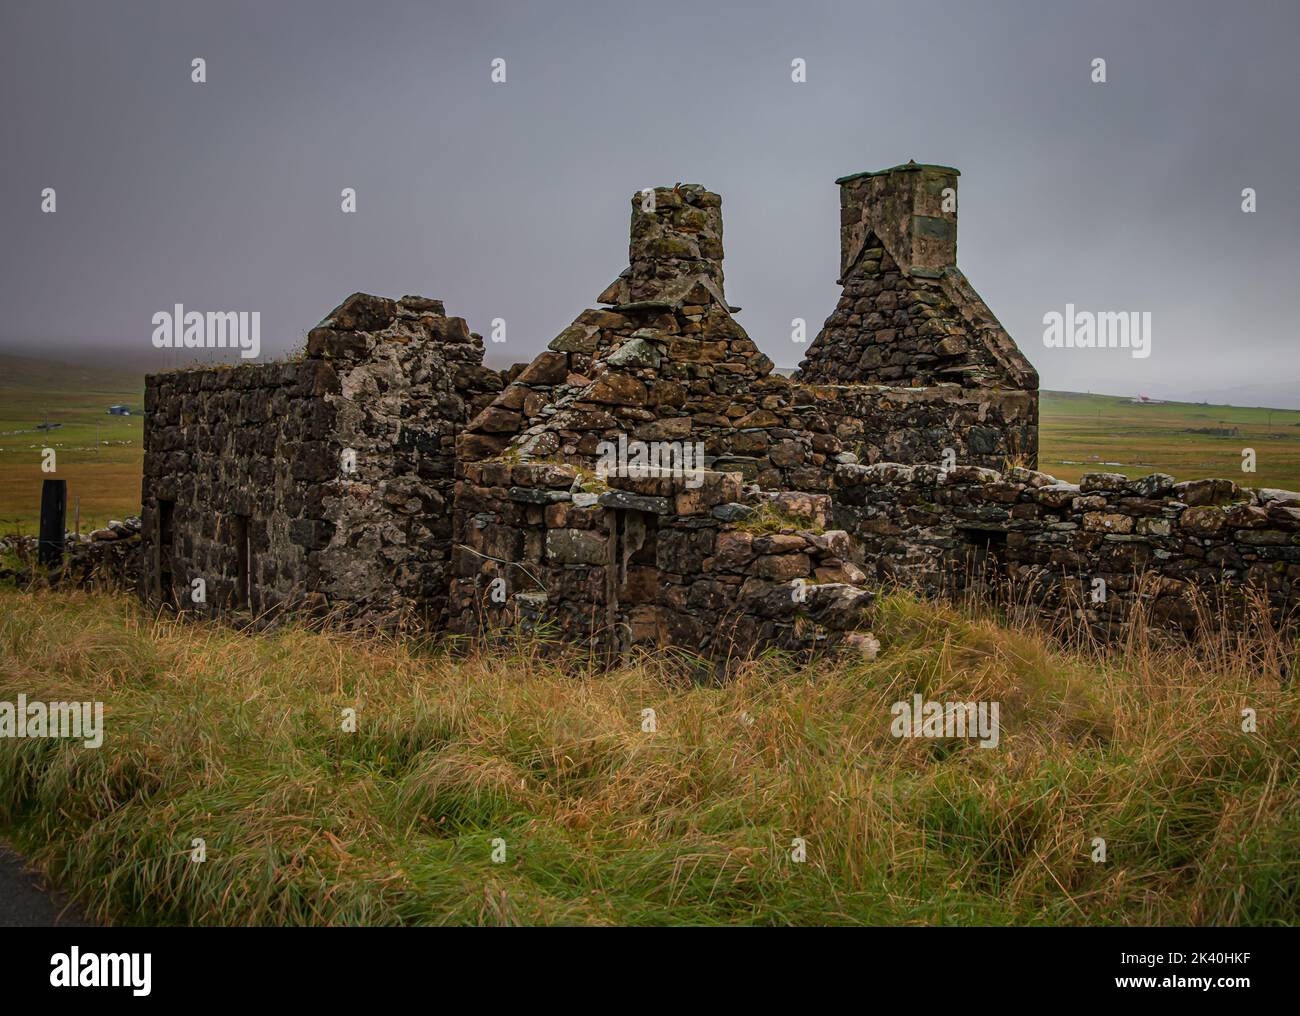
(23, 375)
(1278, 394)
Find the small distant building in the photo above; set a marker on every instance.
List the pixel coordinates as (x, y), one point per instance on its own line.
(119, 410)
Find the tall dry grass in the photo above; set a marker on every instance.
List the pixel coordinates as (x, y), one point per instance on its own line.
(236, 739)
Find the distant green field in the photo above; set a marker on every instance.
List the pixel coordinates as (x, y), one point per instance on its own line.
(100, 455)
(1105, 433)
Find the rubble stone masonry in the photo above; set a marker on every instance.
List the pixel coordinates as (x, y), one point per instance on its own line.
(389, 478)
(247, 485)
(1175, 546)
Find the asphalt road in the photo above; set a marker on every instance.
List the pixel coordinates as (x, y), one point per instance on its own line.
(25, 904)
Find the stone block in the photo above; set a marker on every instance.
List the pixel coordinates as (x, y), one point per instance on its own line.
(575, 547)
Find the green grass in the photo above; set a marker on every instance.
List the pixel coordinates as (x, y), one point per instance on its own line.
(770, 518)
(236, 739)
(99, 455)
(1090, 433)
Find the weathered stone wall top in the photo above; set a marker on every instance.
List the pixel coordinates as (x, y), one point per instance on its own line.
(1044, 487)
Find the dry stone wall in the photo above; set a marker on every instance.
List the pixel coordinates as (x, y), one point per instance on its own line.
(1096, 548)
(106, 559)
(697, 563)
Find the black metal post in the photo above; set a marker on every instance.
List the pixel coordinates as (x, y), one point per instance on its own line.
(54, 513)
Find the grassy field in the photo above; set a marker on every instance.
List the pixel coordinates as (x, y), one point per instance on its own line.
(238, 740)
(1103, 433)
(100, 455)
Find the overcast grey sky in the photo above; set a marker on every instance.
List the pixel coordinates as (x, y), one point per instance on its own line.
(511, 200)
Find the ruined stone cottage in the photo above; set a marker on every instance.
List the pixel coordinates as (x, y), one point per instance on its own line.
(649, 481)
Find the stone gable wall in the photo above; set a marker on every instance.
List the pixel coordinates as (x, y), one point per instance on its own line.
(907, 314)
(893, 329)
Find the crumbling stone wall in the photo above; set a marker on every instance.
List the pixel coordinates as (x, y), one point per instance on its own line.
(1168, 544)
(107, 559)
(655, 561)
(247, 485)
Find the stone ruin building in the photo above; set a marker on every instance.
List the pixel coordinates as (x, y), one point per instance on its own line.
(388, 478)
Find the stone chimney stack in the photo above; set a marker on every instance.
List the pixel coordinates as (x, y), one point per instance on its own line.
(911, 208)
(676, 242)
